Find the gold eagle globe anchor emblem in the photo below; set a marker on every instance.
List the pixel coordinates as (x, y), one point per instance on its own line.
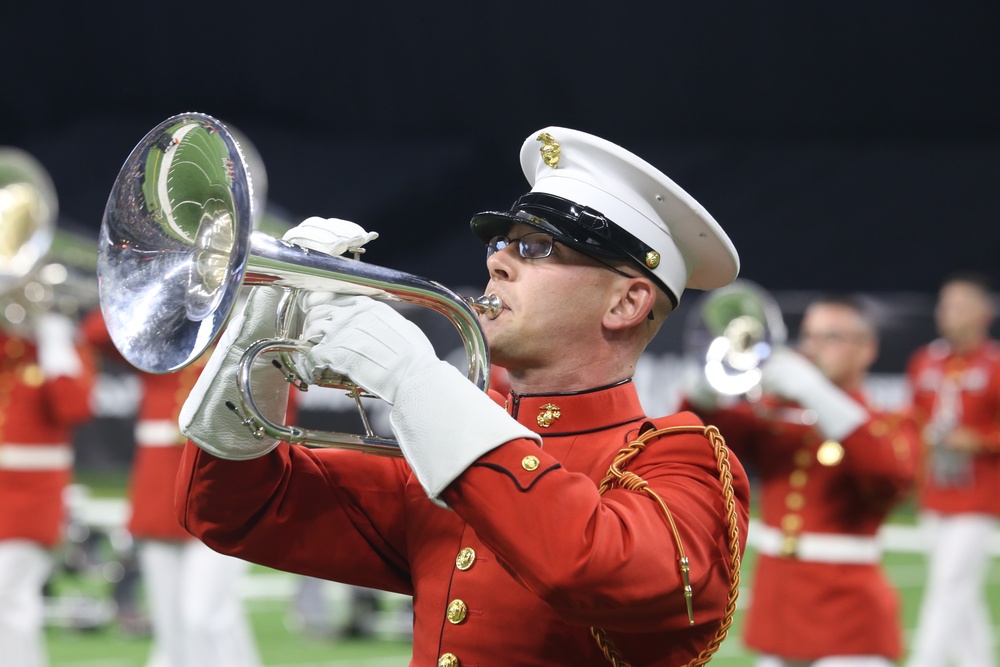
(549, 149)
(550, 413)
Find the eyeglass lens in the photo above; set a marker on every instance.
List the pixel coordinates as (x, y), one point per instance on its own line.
(536, 245)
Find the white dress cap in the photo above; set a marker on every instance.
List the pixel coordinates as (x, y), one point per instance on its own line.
(689, 247)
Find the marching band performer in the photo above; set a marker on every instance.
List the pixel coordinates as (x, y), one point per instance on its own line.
(193, 593)
(45, 382)
(505, 519)
(830, 470)
(955, 385)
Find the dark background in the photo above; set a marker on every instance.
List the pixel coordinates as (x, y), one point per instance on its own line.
(843, 145)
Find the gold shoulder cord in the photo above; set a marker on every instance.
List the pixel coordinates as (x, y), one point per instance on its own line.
(632, 482)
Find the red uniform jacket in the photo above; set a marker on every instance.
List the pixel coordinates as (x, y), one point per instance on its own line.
(159, 445)
(531, 555)
(37, 416)
(803, 608)
(158, 440)
(975, 378)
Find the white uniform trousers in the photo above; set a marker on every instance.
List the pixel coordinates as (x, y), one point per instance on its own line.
(24, 568)
(954, 626)
(197, 614)
(830, 661)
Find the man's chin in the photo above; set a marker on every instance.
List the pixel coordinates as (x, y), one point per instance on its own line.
(498, 351)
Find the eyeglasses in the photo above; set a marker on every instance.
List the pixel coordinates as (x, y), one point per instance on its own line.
(830, 337)
(538, 245)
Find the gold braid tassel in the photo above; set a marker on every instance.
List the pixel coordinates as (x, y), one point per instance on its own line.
(617, 475)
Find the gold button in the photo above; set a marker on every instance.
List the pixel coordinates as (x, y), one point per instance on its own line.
(33, 376)
(789, 545)
(901, 447)
(803, 458)
(466, 557)
(448, 660)
(798, 478)
(830, 453)
(529, 463)
(794, 501)
(878, 428)
(457, 611)
(791, 523)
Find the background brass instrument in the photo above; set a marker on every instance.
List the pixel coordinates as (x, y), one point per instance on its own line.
(176, 245)
(734, 330)
(43, 268)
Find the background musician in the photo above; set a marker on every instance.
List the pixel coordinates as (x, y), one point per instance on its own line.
(830, 469)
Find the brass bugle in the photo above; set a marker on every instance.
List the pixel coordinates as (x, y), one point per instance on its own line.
(176, 246)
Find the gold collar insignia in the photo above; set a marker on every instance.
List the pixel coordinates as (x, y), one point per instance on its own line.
(550, 413)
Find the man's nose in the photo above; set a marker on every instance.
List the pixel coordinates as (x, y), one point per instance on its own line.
(501, 264)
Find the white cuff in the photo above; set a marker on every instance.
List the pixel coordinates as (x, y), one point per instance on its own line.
(444, 423)
(57, 353)
(837, 414)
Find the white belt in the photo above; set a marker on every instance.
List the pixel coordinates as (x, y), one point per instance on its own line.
(157, 433)
(35, 457)
(815, 547)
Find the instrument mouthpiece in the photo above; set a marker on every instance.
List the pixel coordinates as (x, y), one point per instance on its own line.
(489, 305)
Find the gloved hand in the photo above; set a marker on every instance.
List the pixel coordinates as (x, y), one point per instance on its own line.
(204, 418)
(334, 237)
(442, 421)
(330, 235)
(788, 374)
(57, 355)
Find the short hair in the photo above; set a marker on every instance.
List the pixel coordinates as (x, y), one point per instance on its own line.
(979, 281)
(855, 304)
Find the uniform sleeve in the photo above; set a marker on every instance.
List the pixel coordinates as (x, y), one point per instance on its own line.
(68, 397)
(916, 411)
(989, 430)
(299, 510)
(95, 332)
(608, 560)
(882, 456)
(738, 426)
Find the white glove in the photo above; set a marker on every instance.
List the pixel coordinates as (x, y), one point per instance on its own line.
(334, 237)
(57, 355)
(695, 387)
(330, 235)
(790, 375)
(442, 421)
(205, 417)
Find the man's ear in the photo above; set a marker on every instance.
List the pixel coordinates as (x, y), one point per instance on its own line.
(631, 304)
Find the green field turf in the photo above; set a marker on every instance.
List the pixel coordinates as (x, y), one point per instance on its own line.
(268, 602)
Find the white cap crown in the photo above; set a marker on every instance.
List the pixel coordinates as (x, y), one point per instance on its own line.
(686, 246)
